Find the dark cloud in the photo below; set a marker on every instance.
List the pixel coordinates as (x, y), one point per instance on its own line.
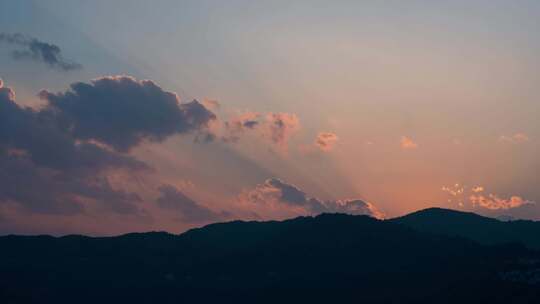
(276, 190)
(45, 169)
(250, 124)
(48, 142)
(34, 49)
(289, 193)
(188, 210)
(57, 159)
(121, 111)
(48, 191)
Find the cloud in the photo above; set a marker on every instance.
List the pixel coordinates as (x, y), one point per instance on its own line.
(407, 143)
(34, 49)
(493, 202)
(238, 125)
(281, 126)
(325, 141)
(211, 104)
(121, 111)
(58, 159)
(477, 189)
(474, 199)
(44, 169)
(189, 210)
(456, 192)
(517, 138)
(276, 191)
(277, 128)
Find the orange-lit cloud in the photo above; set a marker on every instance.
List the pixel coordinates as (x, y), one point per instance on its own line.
(325, 141)
(460, 194)
(407, 143)
(477, 189)
(493, 202)
(514, 139)
(211, 104)
(456, 192)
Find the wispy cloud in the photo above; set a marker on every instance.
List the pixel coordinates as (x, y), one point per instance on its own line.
(37, 50)
(514, 139)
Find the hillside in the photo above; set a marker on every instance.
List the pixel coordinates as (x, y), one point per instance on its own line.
(331, 257)
(473, 226)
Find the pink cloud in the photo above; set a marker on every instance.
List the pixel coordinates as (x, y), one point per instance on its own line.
(407, 143)
(325, 141)
(514, 139)
(493, 202)
(277, 128)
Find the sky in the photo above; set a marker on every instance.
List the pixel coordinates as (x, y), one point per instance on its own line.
(122, 116)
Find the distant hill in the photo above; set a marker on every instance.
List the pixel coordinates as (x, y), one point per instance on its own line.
(473, 226)
(331, 258)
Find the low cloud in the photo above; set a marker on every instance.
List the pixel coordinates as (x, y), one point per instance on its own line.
(474, 198)
(61, 158)
(28, 48)
(44, 169)
(493, 202)
(276, 191)
(407, 143)
(187, 209)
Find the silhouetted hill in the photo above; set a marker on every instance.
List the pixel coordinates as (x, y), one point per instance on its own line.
(329, 258)
(473, 226)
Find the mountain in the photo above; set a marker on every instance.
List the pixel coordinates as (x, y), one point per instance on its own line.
(328, 258)
(473, 226)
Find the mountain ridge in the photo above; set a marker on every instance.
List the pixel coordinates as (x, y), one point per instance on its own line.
(329, 257)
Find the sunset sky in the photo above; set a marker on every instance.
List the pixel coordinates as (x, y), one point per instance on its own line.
(121, 116)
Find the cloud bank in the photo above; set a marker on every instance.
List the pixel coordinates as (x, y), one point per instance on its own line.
(57, 159)
(121, 111)
(276, 191)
